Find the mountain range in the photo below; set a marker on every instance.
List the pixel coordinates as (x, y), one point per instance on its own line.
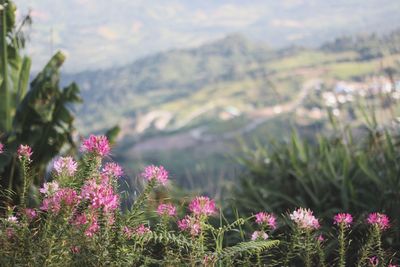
(102, 34)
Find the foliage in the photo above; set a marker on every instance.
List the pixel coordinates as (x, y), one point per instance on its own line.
(79, 223)
(39, 117)
(352, 170)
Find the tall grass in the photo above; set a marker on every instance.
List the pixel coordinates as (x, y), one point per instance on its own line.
(354, 169)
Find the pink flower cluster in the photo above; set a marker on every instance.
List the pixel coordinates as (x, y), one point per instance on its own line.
(112, 169)
(64, 197)
(93, 227)
(142, 229)
(157, 173)
(1, 148)
(259, 235)
(264, 218)
(379, 219)
(166, 210)
(24, 152)
(100, 195)
(344, 219)
(304, 219)
(190, 224)
(30, 213)
(101, 198)
(65, 166)
(202, 206)
(97, 195)
(98, 145)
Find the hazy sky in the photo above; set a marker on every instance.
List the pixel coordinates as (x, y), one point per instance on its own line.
(100, 33)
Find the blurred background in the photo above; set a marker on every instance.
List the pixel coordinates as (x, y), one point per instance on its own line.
(206, 87)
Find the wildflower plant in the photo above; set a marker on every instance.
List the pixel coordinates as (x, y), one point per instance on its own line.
(79, 222)
(304, 240)
(372, 250)
(343, 222)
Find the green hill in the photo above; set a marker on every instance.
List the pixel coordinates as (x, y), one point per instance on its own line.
(199, 100)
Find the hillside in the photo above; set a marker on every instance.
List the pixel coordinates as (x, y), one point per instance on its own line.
(198, 101)
(180, 87)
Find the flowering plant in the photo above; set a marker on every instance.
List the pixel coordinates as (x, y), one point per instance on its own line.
(80, 222)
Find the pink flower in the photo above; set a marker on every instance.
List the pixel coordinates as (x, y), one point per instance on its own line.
(30, 213)
(259, 235)
(157, 173)
(100, 195)
(202, 206)
(24, 152)
(75, 249)
(65, 165)
(12, 219)
(127, 231)
(166, 210)
(320, 238)
(65, 197)
(96, 144)
(379, 219)
(184, 223)
(374, 261)
(1, 148)
(112, 169)
(343, 218)
(392, 265)
(93, 228)
(80, 219)
(142, 229)
(190, 224)
(304, 219)
(49, 188)
(267, 219)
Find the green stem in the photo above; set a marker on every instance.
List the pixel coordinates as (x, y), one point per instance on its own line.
(290, 252)
(342, 246)
(25, 177)
(141, 199)
(307, 259)
(366, 249)
(378, 235)
(4, 90)
(321, 255)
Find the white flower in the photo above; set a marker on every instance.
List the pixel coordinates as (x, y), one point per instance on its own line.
(259, 235)
(49, 188)
(12, 219)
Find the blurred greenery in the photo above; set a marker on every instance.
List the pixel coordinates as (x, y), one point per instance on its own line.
(349, 170)
(39, 117)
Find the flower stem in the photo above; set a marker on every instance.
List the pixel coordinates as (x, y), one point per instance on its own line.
(342, 246)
